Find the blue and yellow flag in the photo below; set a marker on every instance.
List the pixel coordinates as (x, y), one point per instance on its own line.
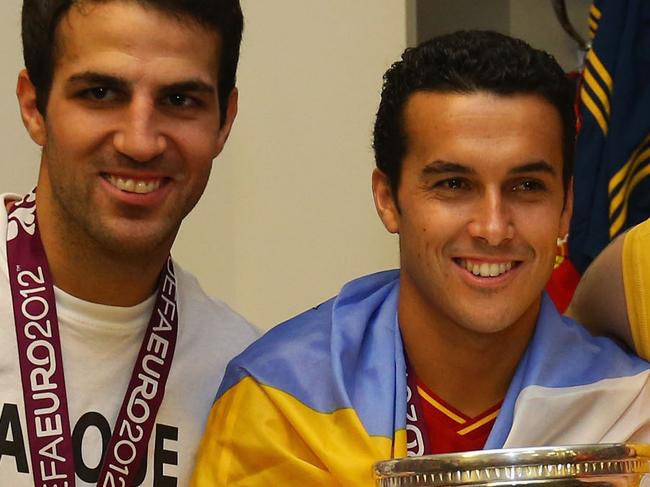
(320, 398)
(612, 190)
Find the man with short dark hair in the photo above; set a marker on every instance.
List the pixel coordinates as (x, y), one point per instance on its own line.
(459, 349)
(111, 353)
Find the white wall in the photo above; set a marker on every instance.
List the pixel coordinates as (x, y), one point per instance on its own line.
(288, 214)
(531, 20)
(289, 205)
(19, 163)
(535, 22)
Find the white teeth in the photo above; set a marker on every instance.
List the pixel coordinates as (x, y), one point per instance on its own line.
(485, 269)
(133, 185)
(126, 184)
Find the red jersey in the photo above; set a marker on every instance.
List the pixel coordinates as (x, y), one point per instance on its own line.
(449, 430)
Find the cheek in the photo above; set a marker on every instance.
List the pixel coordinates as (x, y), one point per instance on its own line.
(72, 142)
(198, 146)
(540, 223)
(542, 239)
(423, 241)
(197, 174)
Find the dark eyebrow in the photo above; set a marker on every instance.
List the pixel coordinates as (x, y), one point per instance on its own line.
(92, 77)
(116, 82)
(192, 85)
(444, 167)
(538, 166)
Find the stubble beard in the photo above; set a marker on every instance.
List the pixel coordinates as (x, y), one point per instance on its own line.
(84, 226)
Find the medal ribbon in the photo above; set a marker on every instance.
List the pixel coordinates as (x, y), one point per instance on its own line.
(417, 434)
(41, 365)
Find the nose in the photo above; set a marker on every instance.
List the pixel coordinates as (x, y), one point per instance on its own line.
(138, 136)
(491, 220)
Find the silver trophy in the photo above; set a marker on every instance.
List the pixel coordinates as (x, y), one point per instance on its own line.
(615, 465)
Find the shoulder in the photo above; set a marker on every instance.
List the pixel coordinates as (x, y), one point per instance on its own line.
(357, 301)
(613, 293)
(599, 301)
(292, 358)
(7, 198)
(303, 348)
(567, 355)
(209, 317)
(634, 258)
(301, 342)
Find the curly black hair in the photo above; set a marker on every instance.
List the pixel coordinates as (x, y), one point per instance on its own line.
(469, 62)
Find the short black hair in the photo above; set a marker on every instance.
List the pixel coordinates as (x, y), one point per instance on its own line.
(40, 19)
(469, 62)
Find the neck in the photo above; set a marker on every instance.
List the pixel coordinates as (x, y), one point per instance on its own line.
(82, 268)
(469, 370)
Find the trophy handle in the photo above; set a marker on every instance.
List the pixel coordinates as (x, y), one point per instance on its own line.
(560, 12)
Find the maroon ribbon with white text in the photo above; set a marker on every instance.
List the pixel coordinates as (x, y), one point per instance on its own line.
(41, 365)
(417, 434)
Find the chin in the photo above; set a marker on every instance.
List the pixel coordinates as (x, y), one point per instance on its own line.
(131, 242)
(488, 324)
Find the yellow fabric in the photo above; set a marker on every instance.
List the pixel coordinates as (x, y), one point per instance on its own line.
(594, 109)
(603, 97)
(261, 436)
(623, 184)
(600, 68)
(636, 278)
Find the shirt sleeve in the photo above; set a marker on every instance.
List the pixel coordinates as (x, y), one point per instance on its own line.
(636, 279)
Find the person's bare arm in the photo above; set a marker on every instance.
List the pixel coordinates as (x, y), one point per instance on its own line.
(599, 301)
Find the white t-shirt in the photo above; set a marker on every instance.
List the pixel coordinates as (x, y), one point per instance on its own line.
(100, 345)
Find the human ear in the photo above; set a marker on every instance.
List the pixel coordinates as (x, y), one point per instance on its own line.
(33, 120)
(567, 211)
(385, 201)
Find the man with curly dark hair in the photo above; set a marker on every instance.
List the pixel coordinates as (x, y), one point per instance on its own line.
(459, 349)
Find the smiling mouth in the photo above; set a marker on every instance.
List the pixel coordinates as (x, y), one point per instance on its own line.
(486, 269)
(130, 185)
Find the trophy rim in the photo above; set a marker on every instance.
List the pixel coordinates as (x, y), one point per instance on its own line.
(520, 464)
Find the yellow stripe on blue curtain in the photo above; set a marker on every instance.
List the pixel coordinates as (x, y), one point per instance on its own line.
(638, 171)
(611, 190)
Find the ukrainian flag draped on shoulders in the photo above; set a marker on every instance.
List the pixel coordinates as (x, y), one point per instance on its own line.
(321, 397)
(612, 188)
